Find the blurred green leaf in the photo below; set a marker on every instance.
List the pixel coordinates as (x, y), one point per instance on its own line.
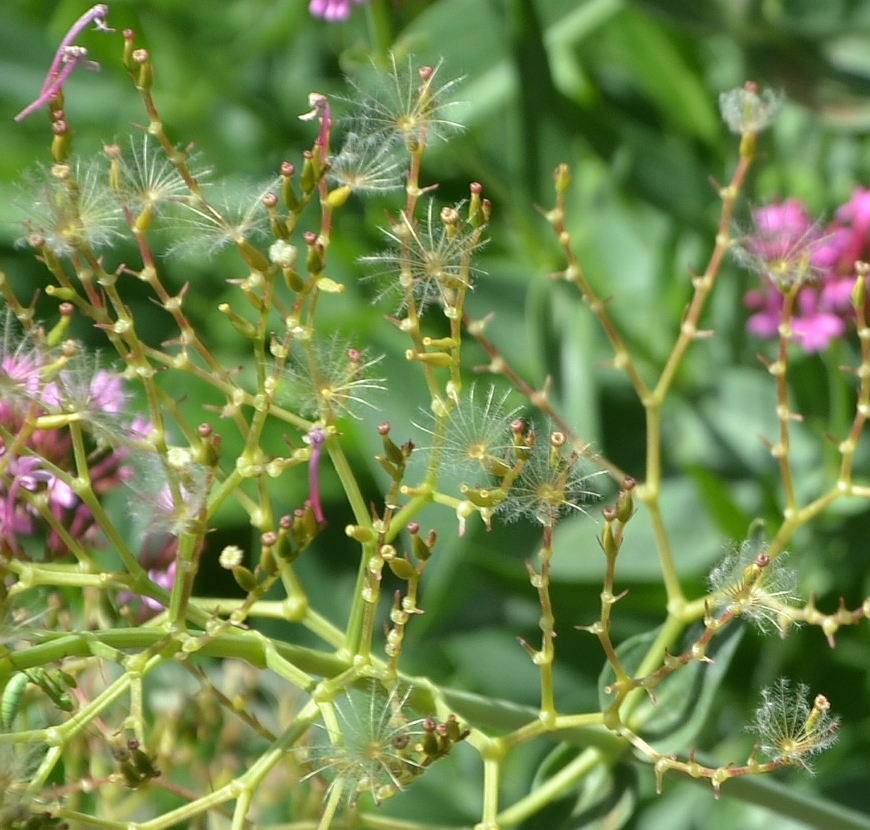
(605, 799)
(682, 700)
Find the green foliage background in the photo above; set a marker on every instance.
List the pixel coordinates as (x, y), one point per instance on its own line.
(626, 93)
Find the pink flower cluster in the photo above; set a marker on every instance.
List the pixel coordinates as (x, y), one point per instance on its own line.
(331, 10)
(29, 458)
(789, 249)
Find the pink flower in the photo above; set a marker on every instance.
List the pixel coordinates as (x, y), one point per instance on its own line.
(67, 57)
(789, 249)
(315, 439)
(331, 10)
(30, 459)
(814, 326)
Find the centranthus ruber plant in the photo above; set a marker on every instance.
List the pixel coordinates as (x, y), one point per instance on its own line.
(164, 664)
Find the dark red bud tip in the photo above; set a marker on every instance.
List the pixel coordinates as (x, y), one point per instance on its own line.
(762, 560)
(66, 309)
(59, 127)
(476, 188)
(518, 426)
(309, 237)
(413, 528)
(129, 34)
(629, 483)
(204, 430)
(287, 168)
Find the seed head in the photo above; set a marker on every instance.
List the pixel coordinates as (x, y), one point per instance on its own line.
(790, 728)
(70, 207)
(477, 441)
(376, 747)
(326, 379)
(428, 261)
(746, 110)
(366, 165)
(748, 583)
(552, 483)
(405, 105)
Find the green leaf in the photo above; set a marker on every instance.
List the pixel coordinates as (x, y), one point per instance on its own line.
(719, 501)
(682, 699)
(605, 799)
(695, 541)
(661, 71)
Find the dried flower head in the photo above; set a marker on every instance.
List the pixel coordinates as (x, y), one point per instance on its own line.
(746, 110)
(748, 583)
(169, 493)
(476, 443)
(791, 730)
(785, 246)
(552, 483)
(366, 165)
(407, 105)
(428, 261)
(371, 745)
(70, 207)
(328, 378)
(234, 215)
(143, 178)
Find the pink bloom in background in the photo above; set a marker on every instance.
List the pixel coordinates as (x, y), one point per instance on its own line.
(24, 396)
(787, 248)
(331, 10)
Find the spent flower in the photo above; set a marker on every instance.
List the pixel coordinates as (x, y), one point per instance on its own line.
(784, 246)
(365, 165)
(428, 261)
(327, 378)
(552, 483)
(144, 178)
(749, 584)
(746, 110)
(236, 215)
(476, 443)
(374, 745)
(67, 57)
(69, 207)
(375, 748)
(406, 106)
(791, 246)
(792, 730)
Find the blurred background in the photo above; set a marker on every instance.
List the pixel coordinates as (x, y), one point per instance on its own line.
(626, 92)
